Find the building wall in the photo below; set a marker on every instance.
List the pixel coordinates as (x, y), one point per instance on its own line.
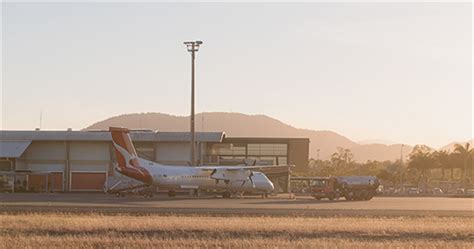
(43, 156)
(68, 161)
(298, 154)
(173, 153)
(88, 165)
(89, 151)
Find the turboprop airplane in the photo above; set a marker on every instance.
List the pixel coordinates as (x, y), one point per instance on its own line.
(227, 179)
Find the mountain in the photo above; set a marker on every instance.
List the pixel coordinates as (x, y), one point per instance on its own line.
(450, 147)
(376, 141)
(380, 152)
(242, 125)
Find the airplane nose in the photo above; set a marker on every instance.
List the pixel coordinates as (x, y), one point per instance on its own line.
(270, 186)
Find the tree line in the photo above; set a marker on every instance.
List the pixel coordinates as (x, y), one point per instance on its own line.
(423, 166)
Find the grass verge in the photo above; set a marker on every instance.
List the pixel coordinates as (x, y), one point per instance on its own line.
(131, 231)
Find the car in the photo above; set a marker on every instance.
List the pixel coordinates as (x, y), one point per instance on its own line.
(469, 192)
(460, 192)
(380, 189)
(437, 191)
(413, 191)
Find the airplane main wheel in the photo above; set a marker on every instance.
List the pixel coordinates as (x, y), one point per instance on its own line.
(364, 195)
(370, 195)
(357, 195)
(226, 194)
(171, 193)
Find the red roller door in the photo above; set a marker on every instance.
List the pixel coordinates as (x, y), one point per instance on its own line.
(37, 182)
(87, 181)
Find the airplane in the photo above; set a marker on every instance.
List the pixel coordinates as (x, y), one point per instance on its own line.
(227, 179)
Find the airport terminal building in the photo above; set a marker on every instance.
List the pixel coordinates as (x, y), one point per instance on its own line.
(83, 160)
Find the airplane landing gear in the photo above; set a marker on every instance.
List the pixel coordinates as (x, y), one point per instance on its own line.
(226, 194)
(194, 193)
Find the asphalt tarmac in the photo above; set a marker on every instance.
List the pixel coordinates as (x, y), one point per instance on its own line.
(276, 205)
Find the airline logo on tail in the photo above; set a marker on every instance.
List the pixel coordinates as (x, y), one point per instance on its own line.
(130, 161)
(127, 157)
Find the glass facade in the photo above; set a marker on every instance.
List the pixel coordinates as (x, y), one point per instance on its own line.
(267, 149)
(228, 149)
(265, 153)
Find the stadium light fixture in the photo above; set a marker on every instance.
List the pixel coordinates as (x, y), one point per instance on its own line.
(193, 47)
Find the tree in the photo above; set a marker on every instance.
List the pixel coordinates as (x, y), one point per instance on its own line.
(342, 157)
(442, 161)
(455, 161)
(421, 159)
(465, 152)
(386, 176)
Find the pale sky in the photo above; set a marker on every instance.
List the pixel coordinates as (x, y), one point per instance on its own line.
(399, 72)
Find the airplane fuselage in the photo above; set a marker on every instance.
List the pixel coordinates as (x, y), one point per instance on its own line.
(186, 177)
(227, 178)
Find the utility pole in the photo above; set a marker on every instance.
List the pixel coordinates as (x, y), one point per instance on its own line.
(401, 164)
(193, 47)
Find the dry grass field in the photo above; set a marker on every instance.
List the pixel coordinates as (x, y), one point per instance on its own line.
(64, 230)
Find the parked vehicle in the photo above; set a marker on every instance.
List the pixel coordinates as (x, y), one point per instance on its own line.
(389, 191)
(349, 187)
(469, 192)
(413, 191)
(437, 191)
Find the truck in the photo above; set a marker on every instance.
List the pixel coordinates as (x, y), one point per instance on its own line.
(349, 187)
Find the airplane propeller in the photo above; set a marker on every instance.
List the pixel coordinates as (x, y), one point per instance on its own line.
(213, 172)
(227, 181)
(249, 179)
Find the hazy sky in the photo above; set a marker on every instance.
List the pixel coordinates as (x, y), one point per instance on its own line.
(401, 72)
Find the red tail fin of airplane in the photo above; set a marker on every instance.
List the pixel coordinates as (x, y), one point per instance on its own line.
(127, 156)
(124, 149)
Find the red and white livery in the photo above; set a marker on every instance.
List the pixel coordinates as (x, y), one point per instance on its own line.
(228, 179)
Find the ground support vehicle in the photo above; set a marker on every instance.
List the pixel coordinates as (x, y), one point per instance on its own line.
(349, 187)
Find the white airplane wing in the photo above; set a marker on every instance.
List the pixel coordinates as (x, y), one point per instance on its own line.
(242, 167)
(236, 173)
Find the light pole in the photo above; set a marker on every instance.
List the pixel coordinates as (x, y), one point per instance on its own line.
(401, 164)
(193, 47)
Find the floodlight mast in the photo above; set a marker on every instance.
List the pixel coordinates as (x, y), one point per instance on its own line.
(192, 47)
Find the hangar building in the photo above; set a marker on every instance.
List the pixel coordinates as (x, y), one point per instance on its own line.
(83, 160)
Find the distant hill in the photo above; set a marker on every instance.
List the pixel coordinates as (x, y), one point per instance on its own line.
(450, 147)
(242, 125)
(380, 152)
(376, 141)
